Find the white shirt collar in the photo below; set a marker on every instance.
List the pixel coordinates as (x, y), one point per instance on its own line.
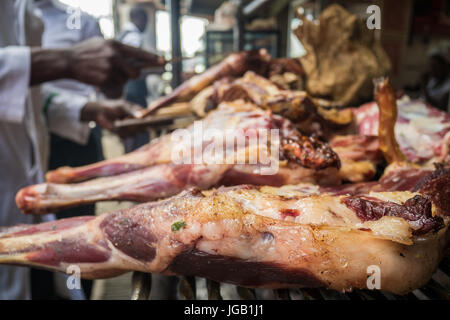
(130, 26)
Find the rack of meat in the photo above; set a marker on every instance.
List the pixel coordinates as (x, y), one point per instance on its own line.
(352, 191)
(152, 172)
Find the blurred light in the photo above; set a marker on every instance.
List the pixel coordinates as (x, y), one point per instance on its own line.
(296, 49)
(199, 68)
(192, 30)
(101, 9)
(162, 31)
(166, 76)
(167, 90)
(107, 27)
(97, 8)
(295, 23)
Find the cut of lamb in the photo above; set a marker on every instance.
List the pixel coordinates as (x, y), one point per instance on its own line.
(304, 235)
(422, 131)
(293, 236)
(151, 173)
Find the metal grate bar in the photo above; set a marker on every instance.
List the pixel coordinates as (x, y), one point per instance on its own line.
(246, 294)
(296, 294)
(420, 295)
(282, 294)
(443, 279)
(213, 289)
(437, 289)
(142, 285)
(188, 288)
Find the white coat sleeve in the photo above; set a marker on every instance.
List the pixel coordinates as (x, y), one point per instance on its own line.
(90, 28)
(133, 39)
(62, 109)
(14, 82)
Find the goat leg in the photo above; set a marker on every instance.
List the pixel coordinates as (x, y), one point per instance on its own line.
(234, 65)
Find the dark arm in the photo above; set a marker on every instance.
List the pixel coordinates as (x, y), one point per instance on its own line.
(99, 62)
(48, 65)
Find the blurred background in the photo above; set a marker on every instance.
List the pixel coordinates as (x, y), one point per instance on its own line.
(409, 30)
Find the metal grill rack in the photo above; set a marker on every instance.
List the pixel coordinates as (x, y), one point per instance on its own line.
(438, 288)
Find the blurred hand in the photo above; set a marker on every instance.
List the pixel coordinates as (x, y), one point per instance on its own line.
(106, 112)
(108, 63)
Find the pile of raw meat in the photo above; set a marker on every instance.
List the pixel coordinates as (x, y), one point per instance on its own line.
(354, 188)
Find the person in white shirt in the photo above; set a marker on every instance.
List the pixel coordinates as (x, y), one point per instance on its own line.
(67, 100)
(135, 90)
(72, 141)
(133, 30)
(23, 135)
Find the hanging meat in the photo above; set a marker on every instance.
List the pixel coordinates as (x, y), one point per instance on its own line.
(258, 236)
(304, 235)
(152, 172)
